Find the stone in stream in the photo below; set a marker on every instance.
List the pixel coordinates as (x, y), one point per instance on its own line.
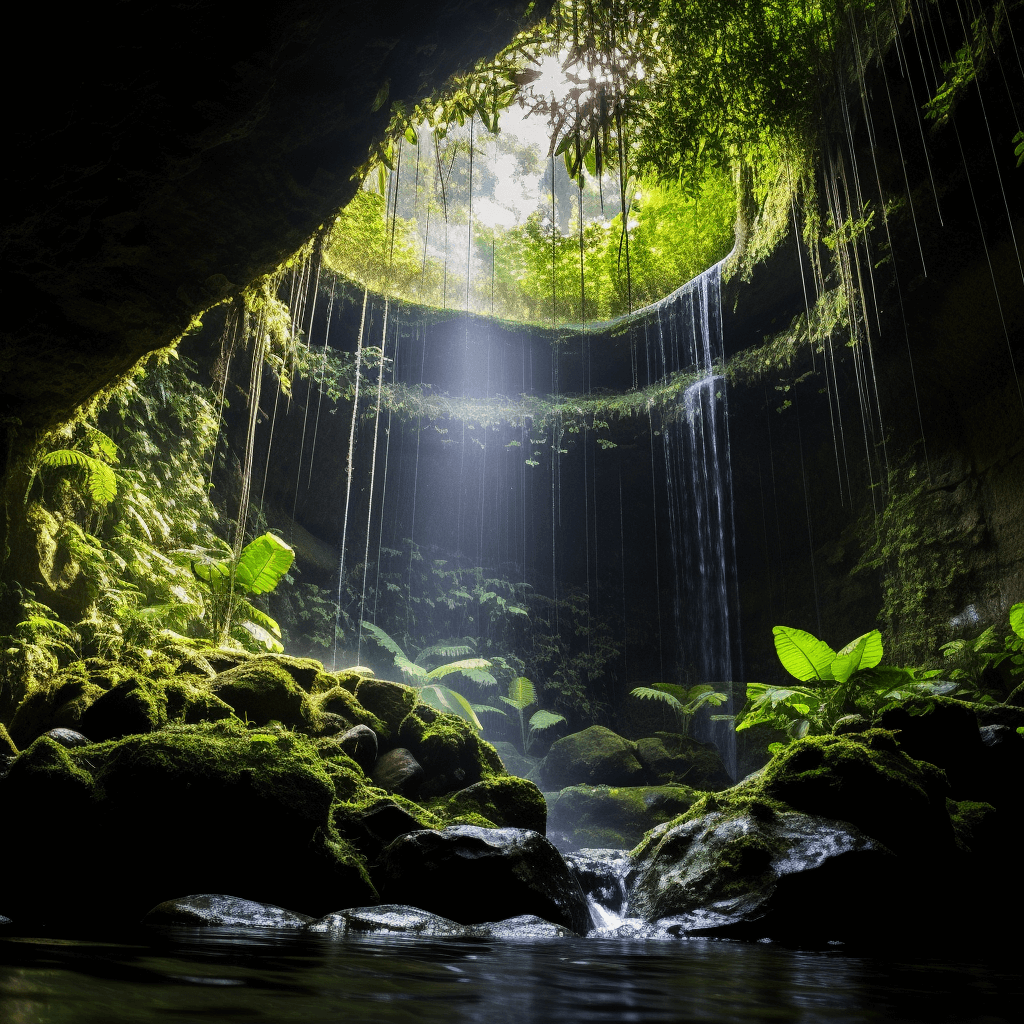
(594, 756)
(601, 874)
(476, 875)
(225, 911)
(404, 920)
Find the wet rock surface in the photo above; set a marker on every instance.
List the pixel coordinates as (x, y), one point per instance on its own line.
(68, 737)
(223, 911)
(754, 874)
(398, 771)
(594, 756)
(474, 875)
(396, 919)
(360, 743)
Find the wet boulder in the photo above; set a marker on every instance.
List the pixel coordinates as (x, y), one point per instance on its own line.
(473, 875)
(673, 757)
(394, 919)
(595, 756)
(613, 816)
(223, 911)
(764, 873)
(372, 821)
(65, 737)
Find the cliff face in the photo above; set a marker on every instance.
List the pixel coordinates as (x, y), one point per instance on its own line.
(167, 155)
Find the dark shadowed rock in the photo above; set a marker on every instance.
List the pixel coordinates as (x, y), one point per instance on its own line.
(398, 771)
(503, 801)
(476, 874)
(360, 743)
(225, 911)
(759, 873)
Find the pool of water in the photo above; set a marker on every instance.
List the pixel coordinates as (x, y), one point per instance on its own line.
(186, 975)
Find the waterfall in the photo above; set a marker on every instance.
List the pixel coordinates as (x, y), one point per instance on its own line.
(698, 475)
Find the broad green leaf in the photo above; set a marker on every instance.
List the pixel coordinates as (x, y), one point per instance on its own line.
(262, 564)
(410, 668)
(1017, 619)
(440, 698)
(873, 649)
(542, 720)
(381, 637)
(848, 660)
(802, 654)
(466, 665)
(258, 633)
(261, 618)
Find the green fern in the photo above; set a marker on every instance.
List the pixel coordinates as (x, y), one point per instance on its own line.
(101, 482)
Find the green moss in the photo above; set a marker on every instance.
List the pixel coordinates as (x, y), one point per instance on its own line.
(263, 691)
(452, 755)
(505, 801)
(594, 756)
(305, 671)
(7, 747)
(342, 702)
(617, 816)
(59, 703)
(861, 778)
(975, 825)
(390, 702)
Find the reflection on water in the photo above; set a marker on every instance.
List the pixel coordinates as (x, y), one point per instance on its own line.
(187, 975)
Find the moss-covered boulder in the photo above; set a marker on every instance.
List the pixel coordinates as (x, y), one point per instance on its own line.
(673, 757)
(340, 702)
(612, 817)
(390, 702)
(139, 704)
(502, 801)
(264, 691)
(7, 747)
(305, 671)
(59, 703)
(595, 756)
(824, 837)
(371, 819)
(452, 755)
(211, 808)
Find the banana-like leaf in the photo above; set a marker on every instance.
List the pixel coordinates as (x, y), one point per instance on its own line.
(381, 637)
(262, 636)
(848, 660)
(1017, 619)
(542, 720)
(100, 478)
(873, 649)
(521, 693)
(802, 654)
(443, 651)
(468, 666)
(440, 698)
(262, 564)
(260, 618)
(410, 668)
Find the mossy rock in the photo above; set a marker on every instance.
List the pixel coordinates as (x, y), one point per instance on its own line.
(7, 747)
(614, 817)
(305, 671)
(58, 704)
(262, 691)
(207, 808)
(343, 703)
(503, 801)
(673, 757)
(372, 819)
(141, 705)
(347, 678)
(452, 755)
(390, 702)
(595, 756)
(979, 829)
(862, 778)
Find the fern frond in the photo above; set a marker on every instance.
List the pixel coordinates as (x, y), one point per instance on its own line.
(100, 479)
(649, 693)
